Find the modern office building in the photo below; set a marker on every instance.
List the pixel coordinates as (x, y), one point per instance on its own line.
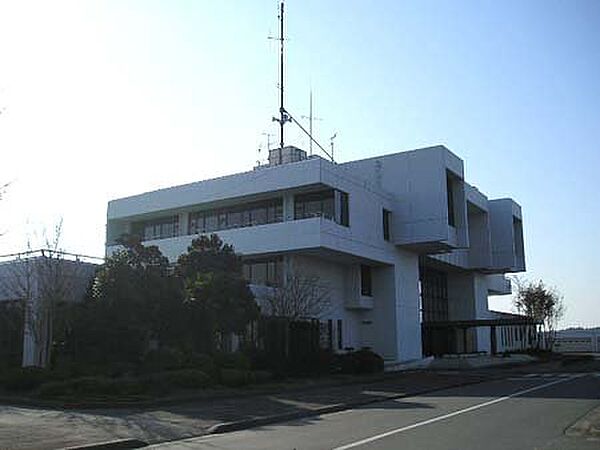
(407, 248)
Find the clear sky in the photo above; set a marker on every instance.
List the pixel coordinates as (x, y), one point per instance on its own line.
(103, 99)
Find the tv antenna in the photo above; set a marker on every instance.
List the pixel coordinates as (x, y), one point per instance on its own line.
(283, 115)
(310, 118)
(331, 144)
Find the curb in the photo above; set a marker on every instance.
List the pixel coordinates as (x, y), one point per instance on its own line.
(245, 424)
(110, 445)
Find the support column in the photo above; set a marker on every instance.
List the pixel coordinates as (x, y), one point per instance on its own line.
(288, 207)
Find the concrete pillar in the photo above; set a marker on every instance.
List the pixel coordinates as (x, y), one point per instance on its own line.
(288, 207)
(408, 323)
(184, 221)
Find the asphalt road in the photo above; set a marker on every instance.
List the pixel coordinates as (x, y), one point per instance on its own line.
(527, 411)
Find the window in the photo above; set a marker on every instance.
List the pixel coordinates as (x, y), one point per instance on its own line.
(365, 281)
(450, 194)
(386, 224)
(344, 210)
(434, 296)
(322, 204)
(161, 228)
(258, 213)
(315, 204)
(340, 340)
(266, 272)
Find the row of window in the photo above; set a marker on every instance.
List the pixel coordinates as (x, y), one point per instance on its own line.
(162, 228)
(267, 272)
(314, 204)
(252, 214)
(322, 204)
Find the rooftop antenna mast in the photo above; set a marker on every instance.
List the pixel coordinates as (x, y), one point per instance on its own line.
(283, 115)
(310, 118)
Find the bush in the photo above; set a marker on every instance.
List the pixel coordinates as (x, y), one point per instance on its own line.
(236, 360)
(202, 362)
(24, 379)
(260, 376)
(163, 382)
(188, 379)
(92, 387)
(359, 362)
(234, 377)
(162, 359)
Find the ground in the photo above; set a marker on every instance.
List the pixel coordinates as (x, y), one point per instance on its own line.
(524, 407)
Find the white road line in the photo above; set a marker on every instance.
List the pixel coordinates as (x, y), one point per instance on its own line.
(455, 413)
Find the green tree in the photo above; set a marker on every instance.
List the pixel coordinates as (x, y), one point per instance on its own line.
(134, 300)
(542, 303)
(217, 296)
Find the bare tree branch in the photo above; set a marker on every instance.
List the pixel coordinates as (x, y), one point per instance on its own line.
(301, 296)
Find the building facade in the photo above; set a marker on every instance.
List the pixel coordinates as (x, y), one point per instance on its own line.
(31, 283)
(400, 241)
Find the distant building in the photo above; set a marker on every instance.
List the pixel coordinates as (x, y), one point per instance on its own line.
(408, 248)
(572, 340)
(29, 284)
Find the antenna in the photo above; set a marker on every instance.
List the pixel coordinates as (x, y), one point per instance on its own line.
(283, 115)
(331, 143)
(310, 121)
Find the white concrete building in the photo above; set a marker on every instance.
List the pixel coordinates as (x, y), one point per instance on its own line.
(30, 284)
(401, 240)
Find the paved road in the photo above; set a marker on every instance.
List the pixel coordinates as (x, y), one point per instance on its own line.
(526, 411)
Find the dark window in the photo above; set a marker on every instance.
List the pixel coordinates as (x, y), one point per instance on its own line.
(258, 213)
(265, 272)
(450, 193)
(211, 222)
(386, 224)
(340, 336)
(344, 209)
(434, 295)
(314, 204)
(162, 228)
(365, 280)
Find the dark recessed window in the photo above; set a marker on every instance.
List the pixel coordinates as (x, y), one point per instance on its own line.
(344, 209)
(386, 224)
(450, 193)
(365, 281)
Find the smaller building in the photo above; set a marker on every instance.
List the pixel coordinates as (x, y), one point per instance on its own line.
(577, 340)
(31, 284)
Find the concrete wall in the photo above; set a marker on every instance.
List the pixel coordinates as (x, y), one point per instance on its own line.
(418, 181)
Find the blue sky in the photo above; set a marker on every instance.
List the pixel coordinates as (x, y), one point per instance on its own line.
(106, 99)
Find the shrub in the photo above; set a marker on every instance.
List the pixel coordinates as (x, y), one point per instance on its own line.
(91, 387)
(359, 362)
(234, 377)
(235, 360)
(188, 378)
(260, 376)
(202, 362)
(184, 378)
(24, 379)
(162, 359)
